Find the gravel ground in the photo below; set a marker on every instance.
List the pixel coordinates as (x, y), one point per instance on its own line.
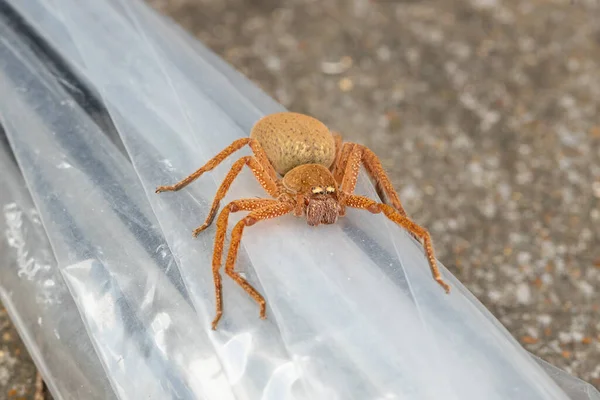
(485, 113)
(17, 372)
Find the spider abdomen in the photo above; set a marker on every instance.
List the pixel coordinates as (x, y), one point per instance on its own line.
(291, 139)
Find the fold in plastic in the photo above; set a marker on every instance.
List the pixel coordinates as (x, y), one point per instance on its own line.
(37, 299)
(106, 241)
(353, 311)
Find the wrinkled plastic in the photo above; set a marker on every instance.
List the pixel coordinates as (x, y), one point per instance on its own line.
(353, 311)
(106, 241)
(37, 299)
(575, 388)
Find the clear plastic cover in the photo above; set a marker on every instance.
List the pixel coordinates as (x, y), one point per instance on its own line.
(37, 299)
(575, 388)
(353, 311)
(106, 241)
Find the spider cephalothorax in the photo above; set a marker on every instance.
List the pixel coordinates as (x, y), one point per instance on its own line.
(307, 171)
(318, 188)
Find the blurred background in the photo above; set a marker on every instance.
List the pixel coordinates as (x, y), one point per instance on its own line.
(484, 112)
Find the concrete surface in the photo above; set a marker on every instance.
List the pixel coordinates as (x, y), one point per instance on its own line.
(485, 113)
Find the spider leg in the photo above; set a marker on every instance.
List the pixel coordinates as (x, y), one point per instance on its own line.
(358, 154)
(383, 184)
(261, 176)
(216, 160)
(234, 206)
(351, 166)
(338, 149)
(372, 206)
(270, 211)
(339, 166)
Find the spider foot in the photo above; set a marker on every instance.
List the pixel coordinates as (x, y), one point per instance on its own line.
(164, 189)
(216, 320)
(443, 284)
(197, 231)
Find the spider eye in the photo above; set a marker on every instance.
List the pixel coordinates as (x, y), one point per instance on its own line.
(330, 189)
(317, 190)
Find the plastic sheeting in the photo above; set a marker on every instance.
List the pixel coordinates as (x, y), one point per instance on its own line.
(353, 312)
(106, 240)
(37, 299)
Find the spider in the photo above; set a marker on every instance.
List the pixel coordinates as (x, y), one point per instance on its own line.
(308, 171)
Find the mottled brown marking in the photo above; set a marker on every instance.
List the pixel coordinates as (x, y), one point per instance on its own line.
(291, 139)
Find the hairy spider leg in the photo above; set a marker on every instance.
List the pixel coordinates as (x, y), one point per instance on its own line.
(222, 220)
(270, 211)
(357, 154)
(340, 162)
(259, 173)
(216, 160)
(339, 142)
(372, 206)
(351, 167)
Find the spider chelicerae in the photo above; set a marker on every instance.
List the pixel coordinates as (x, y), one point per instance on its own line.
(308, 171)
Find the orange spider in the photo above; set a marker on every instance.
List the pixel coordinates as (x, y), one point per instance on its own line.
(319, 176)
